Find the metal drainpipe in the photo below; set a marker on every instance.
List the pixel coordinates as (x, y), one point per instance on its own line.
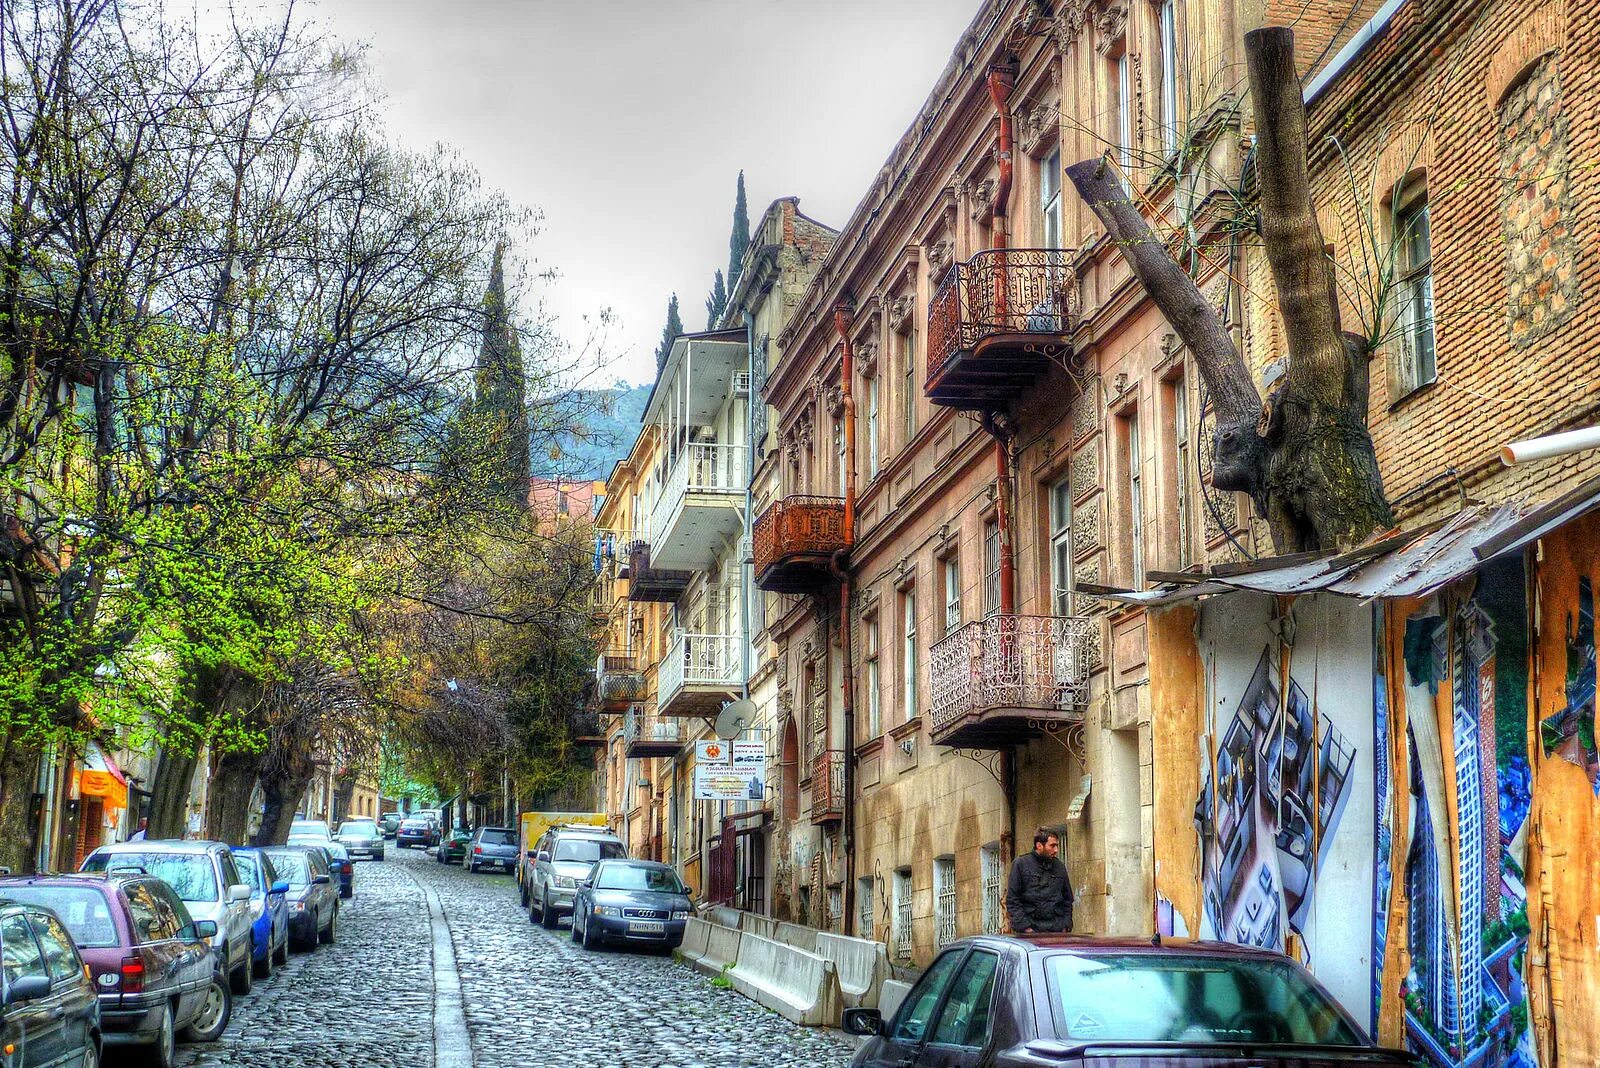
(1001, 79)
(745, 580)
(840, 566)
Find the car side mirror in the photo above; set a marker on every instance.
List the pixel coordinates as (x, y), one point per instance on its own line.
(204, 928)
(862, 1022)
(239, 892)
(28, 988)
(279, 887)
(320, 880)
(544, 855)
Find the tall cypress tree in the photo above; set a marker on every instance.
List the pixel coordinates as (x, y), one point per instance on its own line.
(501, 388)
(716, 302)
(669, 333)
(739, 240)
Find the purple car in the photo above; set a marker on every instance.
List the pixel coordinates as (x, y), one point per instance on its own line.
(152, 964)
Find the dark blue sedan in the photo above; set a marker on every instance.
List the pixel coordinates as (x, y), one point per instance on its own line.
(635, 902)
(269, 910)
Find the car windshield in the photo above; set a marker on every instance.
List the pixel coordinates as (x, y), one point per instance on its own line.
(363, 827)
(82, 909)
(336, 851)
(587, 850)
(246, 863)
(412, 824)
(631, 877)
(292, 868)
(1148, 997)
(308, 828)
(190, 874)
(497, 836)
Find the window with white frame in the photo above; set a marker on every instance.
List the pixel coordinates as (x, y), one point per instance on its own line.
(944, 900)
(1417, 364)
(841, 461)
(1061, 547)
(952, 593)
(874, 695)
(1168, 18)
(1182, 458)
(871, 405)
(991, 568)
(908, 650)
(1122, 75)
(1050, 198)
(994, 878)
(908, 386)
(864, 905)
(902, 914)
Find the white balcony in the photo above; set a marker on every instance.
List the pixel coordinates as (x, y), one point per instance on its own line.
(646, 734)
(701, 507)
(1002, 680)
(699, 673)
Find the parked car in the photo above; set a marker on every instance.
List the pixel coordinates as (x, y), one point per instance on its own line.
(362, 838)
(206, 879)
(269, 910)
(415, 832)
(389, 823)
(561, 860)
(316, 830)
(1063, 1000)
(453, 848)
(49, 1013)
(150, 961)
(342, 868)
(492, 847)
(631, 901)
(313, 897)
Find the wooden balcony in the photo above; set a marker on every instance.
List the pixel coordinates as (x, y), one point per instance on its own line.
(647, 583)
(995, 324)
(586, 730)
(827, 787)
(794, 541)
(619, 681)
(645, 734)
(999, 681)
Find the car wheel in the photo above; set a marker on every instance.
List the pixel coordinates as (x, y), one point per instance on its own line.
(243, 979)
(522, 892)
(280, 956)
(547, 915)
(534, 913)
(91, 1054)
(215, 1012)
(575, 936)
(332, 932)
(160, 1052)
(590, 939)
(263, 967)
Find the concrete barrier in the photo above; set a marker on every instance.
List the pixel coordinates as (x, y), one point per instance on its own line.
(708, 947)
(890, 995)
(722, 914)
(757, 924)
(862, 966)
(793, 934)
(696, 935)
(797, 985)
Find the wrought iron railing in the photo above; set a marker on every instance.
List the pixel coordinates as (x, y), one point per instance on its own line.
(1025, 662)
(619, 677)
(702, 468)
(1000, 291)
(699, 660)
(642, 725)
(798, 524)
(827, 785)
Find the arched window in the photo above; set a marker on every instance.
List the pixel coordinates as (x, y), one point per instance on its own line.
(790, 765)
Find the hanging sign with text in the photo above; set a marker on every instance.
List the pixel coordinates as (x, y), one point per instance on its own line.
(730, 771)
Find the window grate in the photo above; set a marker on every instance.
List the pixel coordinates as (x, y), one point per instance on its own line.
(993, 888)
(944, 900)
(902, 915)
(864, 908)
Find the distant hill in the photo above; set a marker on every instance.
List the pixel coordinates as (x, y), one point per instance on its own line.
(608, 421)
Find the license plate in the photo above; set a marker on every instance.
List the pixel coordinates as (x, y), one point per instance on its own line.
(646, 927)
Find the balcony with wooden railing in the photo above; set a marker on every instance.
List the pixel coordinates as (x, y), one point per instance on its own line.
(827, 787)
(794, 542)
(1002, 680)
(996, 322)
(646, 582)
(618, 680)
(646, 734)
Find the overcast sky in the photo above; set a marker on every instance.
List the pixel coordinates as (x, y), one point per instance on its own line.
(626, 123)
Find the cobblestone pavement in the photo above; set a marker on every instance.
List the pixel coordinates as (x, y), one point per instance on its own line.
(532, 997)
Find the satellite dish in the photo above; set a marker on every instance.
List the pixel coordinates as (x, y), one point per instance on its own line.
(734, 718)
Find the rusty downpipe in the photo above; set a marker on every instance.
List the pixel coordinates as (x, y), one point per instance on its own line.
(839, 565)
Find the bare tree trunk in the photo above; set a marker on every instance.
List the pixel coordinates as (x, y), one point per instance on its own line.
(342, 793)
(169, 794)
(233, 780)
(18, 768)
(281, 793)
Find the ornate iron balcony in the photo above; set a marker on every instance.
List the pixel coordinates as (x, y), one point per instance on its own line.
(645, 734)
(794, 541)
(995, 322)
(1001, 680)
(619, 679)
(827, 786)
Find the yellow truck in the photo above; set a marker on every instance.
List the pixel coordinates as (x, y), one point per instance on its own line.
(532, 827)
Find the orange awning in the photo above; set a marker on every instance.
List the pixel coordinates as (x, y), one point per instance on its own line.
(103, 784)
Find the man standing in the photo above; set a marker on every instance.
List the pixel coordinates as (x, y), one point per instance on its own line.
(1038, 895)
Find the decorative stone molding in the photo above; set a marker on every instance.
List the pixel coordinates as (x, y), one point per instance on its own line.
(867, 357)
(1084, 412)
(1074, 16)
(1083, 473)
(835, 401)
(1041, 127)
(982, 196)
(940, 255)
(1086, 528)
(900, 311)
(1109, 27)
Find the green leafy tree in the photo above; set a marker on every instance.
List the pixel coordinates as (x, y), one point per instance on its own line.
(739, 240)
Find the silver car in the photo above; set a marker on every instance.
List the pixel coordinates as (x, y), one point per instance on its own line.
(561, 860)
(363, 838)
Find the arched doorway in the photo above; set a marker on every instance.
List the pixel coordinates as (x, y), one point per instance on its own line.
(789, 765)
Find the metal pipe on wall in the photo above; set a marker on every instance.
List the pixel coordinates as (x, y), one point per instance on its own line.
(843, 315)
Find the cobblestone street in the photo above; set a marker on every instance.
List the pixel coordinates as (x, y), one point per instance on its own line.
(531, 997)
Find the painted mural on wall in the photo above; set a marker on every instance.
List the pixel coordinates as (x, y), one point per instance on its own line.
(1283, 776)
(1466, 1004)
(1569, 733)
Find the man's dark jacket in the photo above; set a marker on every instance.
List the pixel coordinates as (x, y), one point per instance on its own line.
(1038, 895)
